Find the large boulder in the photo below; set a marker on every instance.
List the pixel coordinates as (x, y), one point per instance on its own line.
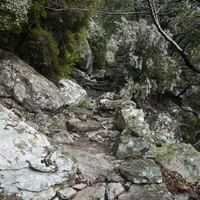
(128, 146)
(141, 171)
(133, 119)
(32, 90)
(182, 158)
(86, 59)
(147, 192)
(19, 80)
(30, 163)
(73, 93)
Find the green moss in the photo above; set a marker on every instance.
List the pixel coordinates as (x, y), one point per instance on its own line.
(84, 104)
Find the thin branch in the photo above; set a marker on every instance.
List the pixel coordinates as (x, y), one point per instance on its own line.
(87, 10)
(182, 53)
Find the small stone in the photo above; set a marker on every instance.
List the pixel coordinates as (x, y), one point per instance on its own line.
(80, 186)
(82, 117)
(113, 134)
(97, 192)
(66, 193)
(113, 177)
(103, 133)
(113, 190)
(127, 186)
(63, 137)
(76, 135)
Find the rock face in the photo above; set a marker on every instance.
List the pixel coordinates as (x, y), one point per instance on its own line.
(29, 162)
(86, 60)
(20, 81)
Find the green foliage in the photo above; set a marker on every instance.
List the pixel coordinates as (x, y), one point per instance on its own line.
(51, 40)
(181, 18)
(13, 14)
(97, 41)
(41, 48)
(143, 52)
(193, 132)
(84, 104)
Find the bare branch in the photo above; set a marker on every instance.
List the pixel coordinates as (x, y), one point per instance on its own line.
(182, 53)
(88, 10)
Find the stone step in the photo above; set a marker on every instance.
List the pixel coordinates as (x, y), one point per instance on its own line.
(83, 126)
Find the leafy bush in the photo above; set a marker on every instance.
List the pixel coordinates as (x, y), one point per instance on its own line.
(143, 52)
(97, 41)
(13, 14)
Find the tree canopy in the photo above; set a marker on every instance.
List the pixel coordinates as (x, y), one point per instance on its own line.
(48, 34)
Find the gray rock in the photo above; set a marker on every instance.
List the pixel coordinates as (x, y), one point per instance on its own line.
(92, 193)
(113, 190)
(141, 171)
(182, 196)
(113, 177)
(100, 75)
(86, 59)
(66, 193)
(133, 119)
(83, 126)
(80, 186)
(29, 162)
(147, 192)
(164, 128)
(79, 111)
(44, 195)
(193, 102)
(63, 138)
(182, 158)
(109, 104)
(73, 93)
(79, 75)
(96, 137)
(92, 166)
(128, 146)
(23, 83)
(113, 133)
(107, 95)
(56, 198)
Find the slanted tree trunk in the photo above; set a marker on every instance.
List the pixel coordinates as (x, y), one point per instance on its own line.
(182, 53)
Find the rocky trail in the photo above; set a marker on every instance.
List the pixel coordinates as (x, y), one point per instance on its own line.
(66, 143)
(129, 170)
(88, 133)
